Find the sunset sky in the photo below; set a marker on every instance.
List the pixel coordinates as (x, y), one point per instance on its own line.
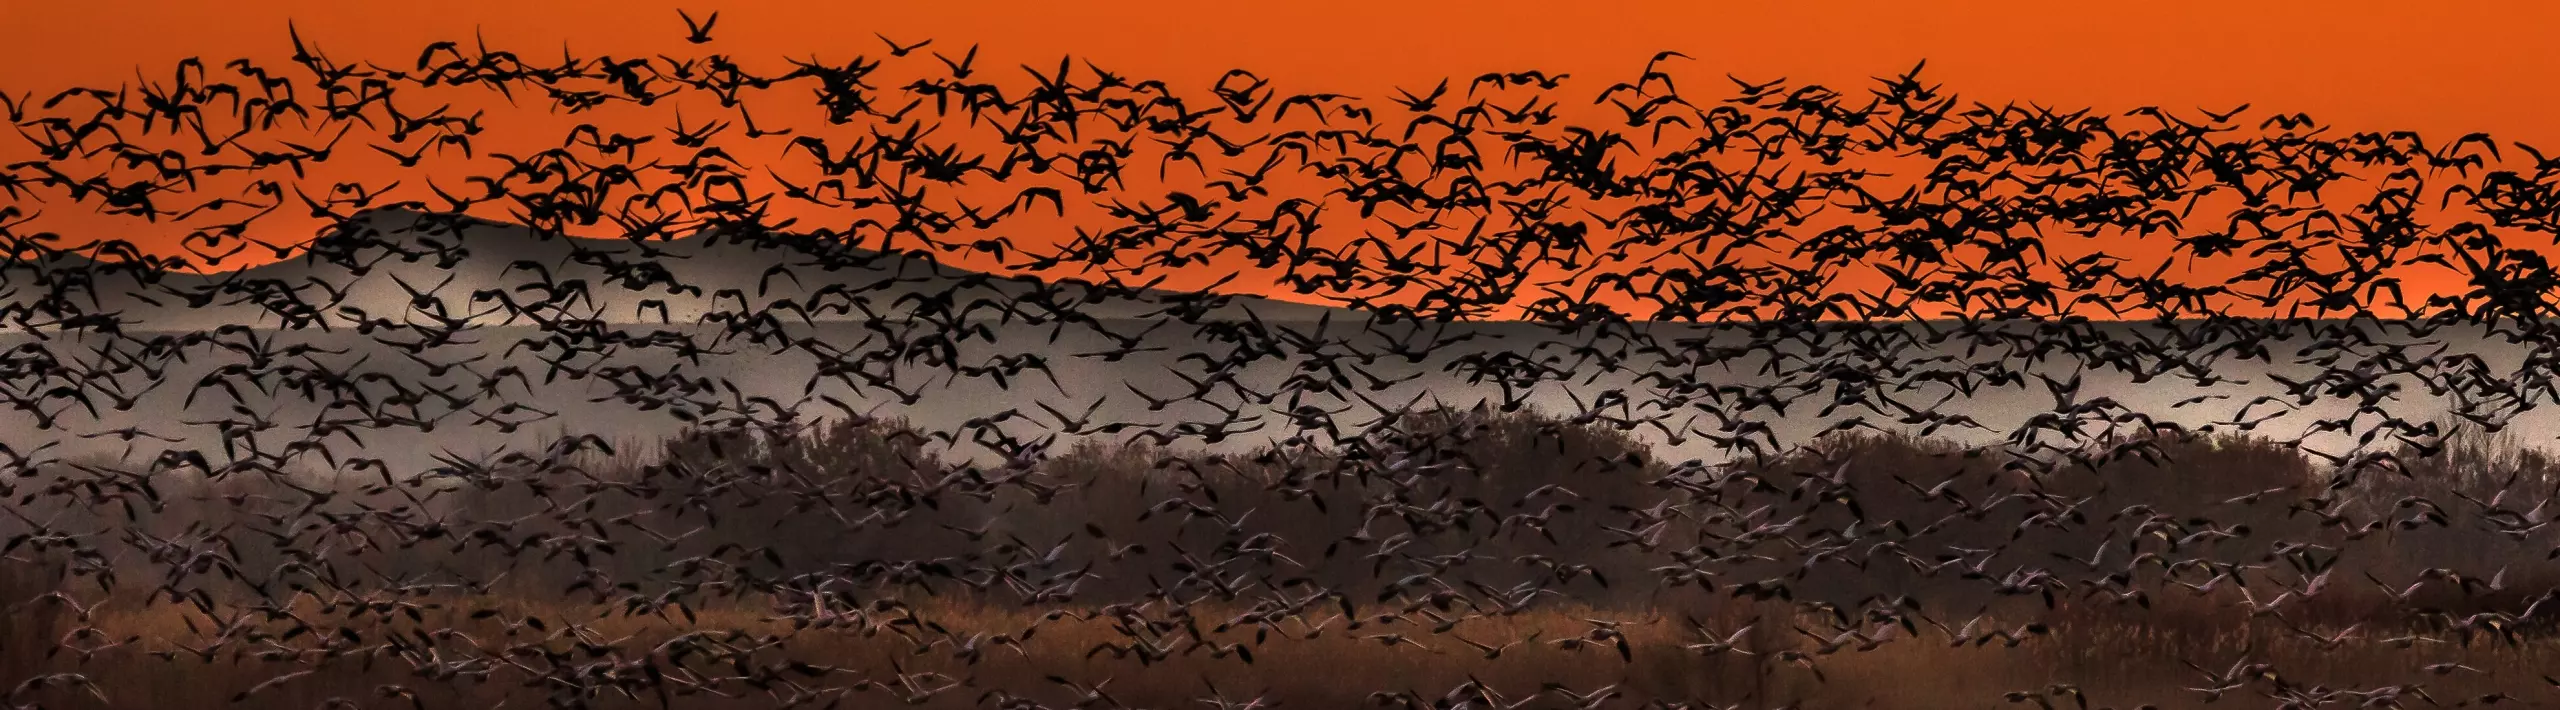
(2444, 69)
(2429, 66)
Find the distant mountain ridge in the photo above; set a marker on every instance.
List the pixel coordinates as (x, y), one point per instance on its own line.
(392, 264)
(1126, 362)
(380, 263)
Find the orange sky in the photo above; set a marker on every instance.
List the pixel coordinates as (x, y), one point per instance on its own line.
(2434, 67)
(2440, 68)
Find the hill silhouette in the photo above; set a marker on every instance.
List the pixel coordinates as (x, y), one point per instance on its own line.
(395, 264)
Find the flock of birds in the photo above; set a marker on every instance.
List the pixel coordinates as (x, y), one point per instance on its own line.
(1992, 240)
